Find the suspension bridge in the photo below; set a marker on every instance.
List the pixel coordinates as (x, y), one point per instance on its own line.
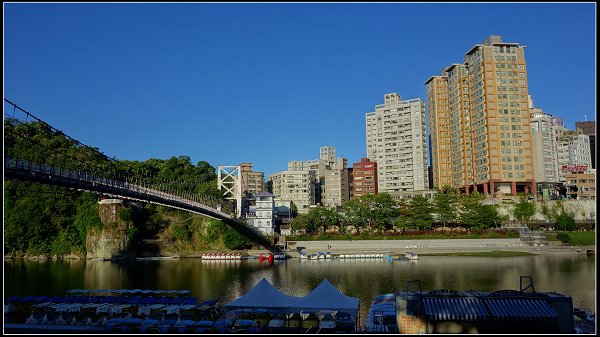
(104, 175)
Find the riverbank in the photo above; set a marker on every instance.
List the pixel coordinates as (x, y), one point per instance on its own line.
(421, 247)
(424, 247)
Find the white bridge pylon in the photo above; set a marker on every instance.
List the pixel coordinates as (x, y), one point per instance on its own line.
(230, 182)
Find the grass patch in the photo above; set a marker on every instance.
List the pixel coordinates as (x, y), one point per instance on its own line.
(582, 238)
(493, 253)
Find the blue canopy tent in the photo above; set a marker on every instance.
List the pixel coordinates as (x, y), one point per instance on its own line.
(327, 297)
(265, 296)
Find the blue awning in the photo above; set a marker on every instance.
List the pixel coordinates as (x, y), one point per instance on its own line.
(455, 309)
(520, 309)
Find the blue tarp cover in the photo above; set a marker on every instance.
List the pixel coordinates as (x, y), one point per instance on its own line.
(520, 309)
(455, 309)
(326, 297)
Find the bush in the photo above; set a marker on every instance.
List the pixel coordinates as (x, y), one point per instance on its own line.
(234, 240)
(126, 214)
(564, 237)
(565, 222)
(214, 231)
(180, 232)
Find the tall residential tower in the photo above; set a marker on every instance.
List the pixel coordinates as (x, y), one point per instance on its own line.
(490, 132)
(396, 141)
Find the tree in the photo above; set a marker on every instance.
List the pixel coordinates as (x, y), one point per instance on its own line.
(474, 214)
(444, 205)
(420, 210)
(383, 209)
(302, 222)
(565, 222)
(355, 213)
(323, 217)
(234, 240)
(524, 210)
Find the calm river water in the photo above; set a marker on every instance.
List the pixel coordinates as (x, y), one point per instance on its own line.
(572, 275)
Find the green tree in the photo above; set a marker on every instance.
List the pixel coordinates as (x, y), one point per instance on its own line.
(234, 240)
(383, 210)
(473, 214)
(302, 222)
(565, 222)
(323, 218)
(444, 205)
(524, 210)
(355, 213)
(419, 212)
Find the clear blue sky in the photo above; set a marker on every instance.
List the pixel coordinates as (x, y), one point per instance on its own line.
(268, 83)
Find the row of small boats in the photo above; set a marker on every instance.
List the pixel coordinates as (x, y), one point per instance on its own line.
(240, 256)
(223, 256)
(316, 256)
(362, 255)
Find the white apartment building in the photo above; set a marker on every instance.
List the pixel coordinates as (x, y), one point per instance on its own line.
(396, 140)
(261, 215)
(297, 186)
(543, 143)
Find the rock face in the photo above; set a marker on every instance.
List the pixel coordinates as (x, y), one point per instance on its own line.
(111, 241)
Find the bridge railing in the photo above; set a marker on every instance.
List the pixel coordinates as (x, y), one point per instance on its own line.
(32, 167)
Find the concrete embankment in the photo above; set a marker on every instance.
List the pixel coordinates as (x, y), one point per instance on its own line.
(427, 246)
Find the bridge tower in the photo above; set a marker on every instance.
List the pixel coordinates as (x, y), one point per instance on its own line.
(230, 182)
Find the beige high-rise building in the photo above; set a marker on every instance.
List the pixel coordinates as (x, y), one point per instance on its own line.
(297, 186)
(439, 130)
(490, 127)
(252, 182)
(336, 187)
(396, 141)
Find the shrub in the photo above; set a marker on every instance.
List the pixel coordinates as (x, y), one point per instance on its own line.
(565, 222)
(234, 240)
(564, 237)
(180, 232)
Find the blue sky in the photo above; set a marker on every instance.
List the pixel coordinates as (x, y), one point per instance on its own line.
(268, 83)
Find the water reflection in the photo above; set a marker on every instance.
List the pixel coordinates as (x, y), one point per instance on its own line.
(573, 275)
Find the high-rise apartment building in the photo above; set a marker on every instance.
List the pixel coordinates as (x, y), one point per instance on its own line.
(336, 189)
(589, 128)
(252, 182)
(490, 132)
(439, 130)
(364, 177)
(396, 141)
(544, 149)
(297, 186)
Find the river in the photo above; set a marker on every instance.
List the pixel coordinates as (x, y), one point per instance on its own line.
(572, 275)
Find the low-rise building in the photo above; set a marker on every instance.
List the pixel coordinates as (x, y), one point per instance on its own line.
(581, 185)
(260, 215)
(479, 312)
